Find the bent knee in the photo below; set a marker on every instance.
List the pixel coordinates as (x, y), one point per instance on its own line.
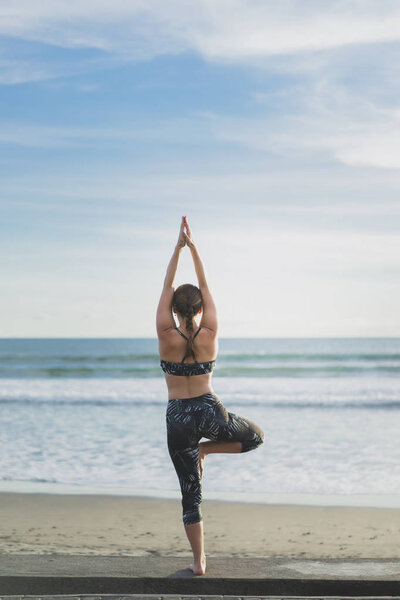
(257, 440)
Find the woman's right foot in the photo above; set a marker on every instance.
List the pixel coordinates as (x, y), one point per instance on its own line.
(199, 568)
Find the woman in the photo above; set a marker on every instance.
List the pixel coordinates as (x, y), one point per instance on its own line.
(193, 410)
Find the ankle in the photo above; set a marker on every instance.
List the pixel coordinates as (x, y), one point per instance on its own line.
(200, 560)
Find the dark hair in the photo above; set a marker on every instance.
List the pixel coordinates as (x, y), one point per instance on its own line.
(187, 301)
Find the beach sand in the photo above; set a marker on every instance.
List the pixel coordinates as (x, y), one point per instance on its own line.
(133, 526)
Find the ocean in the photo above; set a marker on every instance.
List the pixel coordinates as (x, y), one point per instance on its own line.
(89, 415)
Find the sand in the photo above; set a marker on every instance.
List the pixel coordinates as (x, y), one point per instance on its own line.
(133, 526)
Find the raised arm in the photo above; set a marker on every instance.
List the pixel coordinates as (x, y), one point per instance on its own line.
(164, 318)
(209, 319)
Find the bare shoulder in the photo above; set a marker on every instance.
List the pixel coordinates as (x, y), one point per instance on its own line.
(166, 334)
(208, 332)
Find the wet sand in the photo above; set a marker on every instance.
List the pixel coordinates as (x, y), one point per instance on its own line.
(133, 526)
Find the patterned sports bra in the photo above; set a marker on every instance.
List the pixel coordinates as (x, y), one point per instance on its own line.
(187, 369)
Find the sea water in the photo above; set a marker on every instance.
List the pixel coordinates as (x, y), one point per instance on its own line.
(89, 414)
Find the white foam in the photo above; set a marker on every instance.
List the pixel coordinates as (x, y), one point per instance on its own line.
(339, 500)
(118, 438)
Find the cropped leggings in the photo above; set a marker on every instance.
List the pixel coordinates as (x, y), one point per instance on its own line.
(189, 420)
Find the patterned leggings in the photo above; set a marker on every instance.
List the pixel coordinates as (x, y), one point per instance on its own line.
(190, 419)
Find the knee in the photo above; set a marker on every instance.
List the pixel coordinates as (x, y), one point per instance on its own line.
(191, 499)
(256, 440)
(190, 517)
(191, 507)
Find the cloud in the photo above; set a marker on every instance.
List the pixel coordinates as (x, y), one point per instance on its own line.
(353, 132)
(255, 29)
(379, 147)
(331, 112)
(353, 142)
(217, 29)
(330, 122)
(307, 200)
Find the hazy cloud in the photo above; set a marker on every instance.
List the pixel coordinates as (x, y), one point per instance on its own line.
(226, 29)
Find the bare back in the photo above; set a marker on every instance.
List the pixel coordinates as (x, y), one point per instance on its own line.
(172, 347)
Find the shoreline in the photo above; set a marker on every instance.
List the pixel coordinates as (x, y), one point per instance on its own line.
(45, 524)
(391, 501)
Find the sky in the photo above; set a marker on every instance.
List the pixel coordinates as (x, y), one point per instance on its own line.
(274, 126)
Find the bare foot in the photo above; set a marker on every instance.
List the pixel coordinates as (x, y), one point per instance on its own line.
(202, 456)
(200, 567)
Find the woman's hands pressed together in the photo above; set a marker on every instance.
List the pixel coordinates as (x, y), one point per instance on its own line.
(188, 234)
(185, 237)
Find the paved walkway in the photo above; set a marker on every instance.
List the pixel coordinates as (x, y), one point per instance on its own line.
(98, 577)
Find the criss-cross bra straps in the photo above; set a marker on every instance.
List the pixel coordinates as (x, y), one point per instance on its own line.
(186, 338)
(183, 335)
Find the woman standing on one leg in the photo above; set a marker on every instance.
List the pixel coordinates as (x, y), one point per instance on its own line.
(193, 410)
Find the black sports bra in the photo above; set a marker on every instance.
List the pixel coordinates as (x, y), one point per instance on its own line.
(187, 369)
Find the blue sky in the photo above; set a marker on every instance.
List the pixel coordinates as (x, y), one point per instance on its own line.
(275, 127)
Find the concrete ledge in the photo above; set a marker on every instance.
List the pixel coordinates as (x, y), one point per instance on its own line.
(233, 576)
(198, 587)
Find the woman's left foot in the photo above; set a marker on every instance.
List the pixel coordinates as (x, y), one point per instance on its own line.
(200, 567)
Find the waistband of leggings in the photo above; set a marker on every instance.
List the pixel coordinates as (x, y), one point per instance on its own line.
(207, 396)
